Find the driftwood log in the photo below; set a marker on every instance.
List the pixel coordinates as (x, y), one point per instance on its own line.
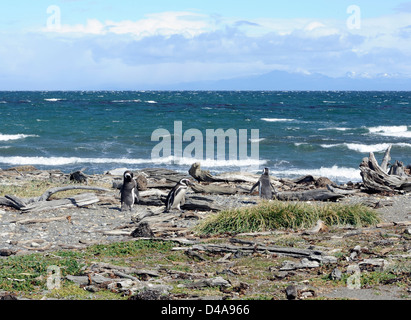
(214, 189)
(202, 175)
(42, 202)
(309, 195)
(249, 247)
(80, 200)
(191, 203)
(377, 179)
(235, 177)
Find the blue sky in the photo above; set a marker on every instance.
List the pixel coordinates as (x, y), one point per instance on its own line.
(126, 44)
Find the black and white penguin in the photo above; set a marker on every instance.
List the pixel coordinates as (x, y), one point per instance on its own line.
(265, 188)
(129, 192)
(176, 196)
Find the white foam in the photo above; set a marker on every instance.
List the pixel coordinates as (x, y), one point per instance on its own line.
(53, 99)
(151, 101)
(8, 137)
(256, 140)
(338, 129)
(126, 101)
(60, 161)
(365, 148)
(335, 173)
(391, 131)
(276, 120)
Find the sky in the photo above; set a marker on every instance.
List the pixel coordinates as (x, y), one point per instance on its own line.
(138, 45)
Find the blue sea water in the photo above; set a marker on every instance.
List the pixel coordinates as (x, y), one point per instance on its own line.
(319, 133)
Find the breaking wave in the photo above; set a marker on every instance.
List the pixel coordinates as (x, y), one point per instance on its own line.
(8, 137)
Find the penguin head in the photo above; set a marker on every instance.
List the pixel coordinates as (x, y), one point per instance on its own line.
(186, 182)
(128, 176)
(265, 171)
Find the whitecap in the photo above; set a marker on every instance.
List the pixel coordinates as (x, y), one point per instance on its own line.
(338, 129)
(277, 120)
(256, 140)
(126, 101)
(391, 131)
(8, 137)
(60, 161)
(151, 101)
(335, 173)
(53, 99)
(366, 148)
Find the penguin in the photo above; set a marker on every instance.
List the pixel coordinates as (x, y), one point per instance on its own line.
(265, 187)
(176, 196)
(129, 192)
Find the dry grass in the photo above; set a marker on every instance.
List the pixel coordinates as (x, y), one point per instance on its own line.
(272, 215)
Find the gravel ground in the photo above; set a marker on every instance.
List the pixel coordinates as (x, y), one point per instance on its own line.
(399, 211)
(100, 223)
(104, 223)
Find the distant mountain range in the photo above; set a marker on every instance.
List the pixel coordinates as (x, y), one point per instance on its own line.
(281, 80)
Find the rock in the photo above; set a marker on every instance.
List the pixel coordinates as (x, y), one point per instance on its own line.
(304, 263)
(8, 297)
(305, 292)
(319, 227)
(7, 252)
(355, 252)
(291, 292)
(85, 280)
(322, 182)
(328, 259)
(213, 282)
(141, 182)
(92, 288)
(281, 275)
(375, 264)
(125, 284)
(336, 274)
(150, 294)
(143, 230)
(78, 176)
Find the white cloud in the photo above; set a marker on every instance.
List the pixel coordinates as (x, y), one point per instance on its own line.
(188, 24)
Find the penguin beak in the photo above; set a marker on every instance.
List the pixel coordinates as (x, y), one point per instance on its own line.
(128, 176)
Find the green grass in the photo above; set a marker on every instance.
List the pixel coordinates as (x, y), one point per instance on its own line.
(27, 274)
(272, 215)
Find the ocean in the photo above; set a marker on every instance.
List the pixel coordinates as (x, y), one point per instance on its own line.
(299, 133)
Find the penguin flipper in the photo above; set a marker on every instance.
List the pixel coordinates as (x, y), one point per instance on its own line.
(169, 200)
(255, 186)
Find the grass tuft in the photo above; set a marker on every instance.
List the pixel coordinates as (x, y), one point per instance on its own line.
(272, 215)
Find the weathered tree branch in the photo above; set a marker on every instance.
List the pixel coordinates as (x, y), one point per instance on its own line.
(375, 178)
